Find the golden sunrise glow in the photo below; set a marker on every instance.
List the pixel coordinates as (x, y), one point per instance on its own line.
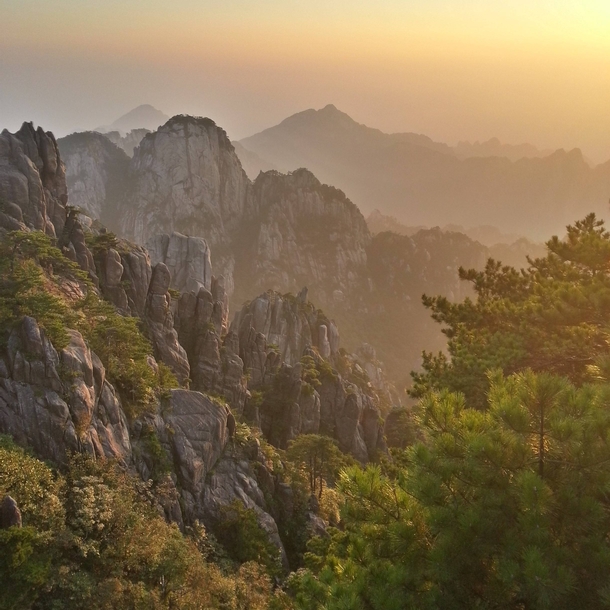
(535, 71)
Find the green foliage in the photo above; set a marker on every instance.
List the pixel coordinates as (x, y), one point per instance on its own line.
(33, 485)
(101, 242)
(310, 375)
(550, 317)
(31, 268)
(319, 458)
(125, 353)
(244, 539)
(502, 508)
(93, 540)
(159, 462)
(402, 428)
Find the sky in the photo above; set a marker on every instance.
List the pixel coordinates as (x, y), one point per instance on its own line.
(533, 71)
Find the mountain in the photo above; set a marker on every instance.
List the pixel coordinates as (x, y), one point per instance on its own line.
(412, 177)
(129, 141)
(98, 350)
(97, 173)
(494, 148)
(253, 164)
(144, 116)
(283, 232)
(509, 249)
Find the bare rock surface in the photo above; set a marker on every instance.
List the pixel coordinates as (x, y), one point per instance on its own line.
(96, 173)
(56, 402)
(187, 258)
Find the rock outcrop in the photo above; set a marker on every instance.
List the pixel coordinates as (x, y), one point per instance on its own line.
(58, 402)
(300, 231)
(32, 178)
(10, 515)
(187, 258)
(290, 324)
(96, 173)
(292, 358)
(186, 178)
(160, 324)
(33, 192)
(280, 232)
(130, 141)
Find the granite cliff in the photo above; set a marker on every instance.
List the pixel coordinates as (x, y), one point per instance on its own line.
(283, 232)
(278, 365)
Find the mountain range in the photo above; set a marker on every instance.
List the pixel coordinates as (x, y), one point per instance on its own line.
(281, 232)
(423, 182)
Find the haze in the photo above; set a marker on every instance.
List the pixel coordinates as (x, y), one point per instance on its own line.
(524, 71)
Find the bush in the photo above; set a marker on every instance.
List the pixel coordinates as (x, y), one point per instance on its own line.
(125, 352)
(244, 539)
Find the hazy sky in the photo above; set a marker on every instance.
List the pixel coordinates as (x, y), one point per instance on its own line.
(522, 70)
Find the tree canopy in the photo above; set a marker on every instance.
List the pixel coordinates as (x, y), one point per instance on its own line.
(552, 316)
(502, 508)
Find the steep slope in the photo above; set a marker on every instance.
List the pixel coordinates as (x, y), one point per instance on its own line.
(280, 232)
(411, 177)
(298, 232)
(59, 395)
(97, 173)
(187, 178)
(284, 232)
(84, 374)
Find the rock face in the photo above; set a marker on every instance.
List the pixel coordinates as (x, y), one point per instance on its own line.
(291, 324)
(96, 173)
(59, 402)
(186, 178)
(10, 515)
(130, 141)
(300, 231)
(280, 232)
(33, 192)
(187, 258)
(291, 353)
(201, 322)
(160, 323)
(32, 178)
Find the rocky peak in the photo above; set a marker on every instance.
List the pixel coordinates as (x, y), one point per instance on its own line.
(32, 177)
(187, 178)
(96, 173)
(130, 141)
(300, 231)
(290, 324)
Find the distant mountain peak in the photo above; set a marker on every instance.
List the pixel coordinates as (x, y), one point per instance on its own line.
(330, 109)
(143, 116)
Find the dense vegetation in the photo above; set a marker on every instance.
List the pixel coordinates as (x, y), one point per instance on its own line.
(552, 316)
(37, 280)
(92, 539)
(496, 495)
(503, 502)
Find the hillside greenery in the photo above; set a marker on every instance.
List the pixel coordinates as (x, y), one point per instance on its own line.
(92, 539)
(502, 501)
(37, 280)
(496, 494)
